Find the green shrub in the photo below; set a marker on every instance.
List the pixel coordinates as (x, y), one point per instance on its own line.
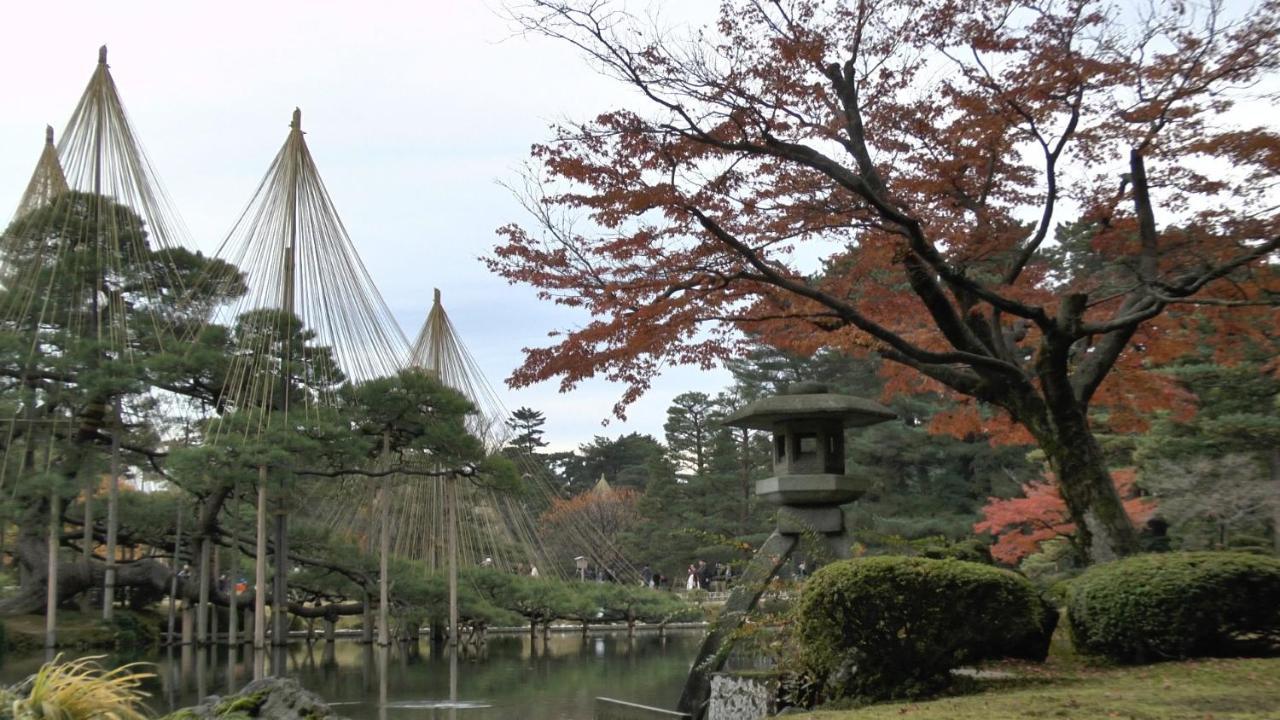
(1176, 605)
(1250, 543)
(970, 550)
(128, 629)
(889, 627)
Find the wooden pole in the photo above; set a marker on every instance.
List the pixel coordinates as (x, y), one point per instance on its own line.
(87, 537)
(214, 573)
(113, 522)
(280, 589)
(233, 574)
(366, 628)
(280, 586)
(451, 511)
(202, 605)
(51, 592)
(173, 579)
(260, 575)
(384, 549)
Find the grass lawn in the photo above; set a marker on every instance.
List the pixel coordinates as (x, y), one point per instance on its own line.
(1199, 689)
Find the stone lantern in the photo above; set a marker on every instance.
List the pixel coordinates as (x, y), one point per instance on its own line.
(809, 477)
(809, 485)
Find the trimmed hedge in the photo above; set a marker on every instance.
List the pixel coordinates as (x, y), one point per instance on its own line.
(895, 627)
(1176, 605)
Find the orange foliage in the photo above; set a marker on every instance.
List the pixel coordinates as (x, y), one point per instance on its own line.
(1033, 205)
(696, 209)
(606, 513)
(1021, 524)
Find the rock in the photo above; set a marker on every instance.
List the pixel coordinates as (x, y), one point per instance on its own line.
(275, 698)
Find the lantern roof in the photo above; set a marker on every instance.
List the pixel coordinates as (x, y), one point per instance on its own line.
(809, 401)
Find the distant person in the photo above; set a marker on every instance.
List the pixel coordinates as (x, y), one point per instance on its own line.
(704, 575)
(692, 581)
(646, 576)
(801, 569)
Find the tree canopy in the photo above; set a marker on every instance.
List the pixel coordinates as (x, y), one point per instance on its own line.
(932, 155)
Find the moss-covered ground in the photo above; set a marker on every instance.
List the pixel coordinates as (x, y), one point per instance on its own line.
(25, 633)
(1209, 689)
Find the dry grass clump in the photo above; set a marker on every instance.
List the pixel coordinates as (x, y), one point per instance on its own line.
(80, 690)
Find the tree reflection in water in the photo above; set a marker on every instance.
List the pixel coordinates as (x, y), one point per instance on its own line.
(515, 677)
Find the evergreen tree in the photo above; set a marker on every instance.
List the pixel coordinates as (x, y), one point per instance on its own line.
(527, 424)
(1217, 474)
(692, 422)
(621, 461)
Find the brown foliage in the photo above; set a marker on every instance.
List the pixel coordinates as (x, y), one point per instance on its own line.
(599, 514)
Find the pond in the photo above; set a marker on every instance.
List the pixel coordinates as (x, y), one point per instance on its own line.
(515, 678)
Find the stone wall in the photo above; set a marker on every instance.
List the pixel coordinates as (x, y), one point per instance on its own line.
(741, 697)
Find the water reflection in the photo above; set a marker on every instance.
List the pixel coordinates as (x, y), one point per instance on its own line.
(514, 676)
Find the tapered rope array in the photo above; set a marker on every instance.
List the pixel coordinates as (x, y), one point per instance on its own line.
(439, 349)
(309, 321)
(86, 267)
(494, 526)
(328, 288)
(95, 263)
(47, 182)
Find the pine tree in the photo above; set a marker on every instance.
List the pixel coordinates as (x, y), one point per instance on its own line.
(527, 424)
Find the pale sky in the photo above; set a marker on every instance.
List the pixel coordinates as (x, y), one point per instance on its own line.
(414, 112)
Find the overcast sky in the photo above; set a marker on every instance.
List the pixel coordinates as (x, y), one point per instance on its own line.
(414, 112)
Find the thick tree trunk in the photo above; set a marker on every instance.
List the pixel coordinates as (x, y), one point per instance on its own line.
(74, 577)
(1103, 529)
(1057, 414)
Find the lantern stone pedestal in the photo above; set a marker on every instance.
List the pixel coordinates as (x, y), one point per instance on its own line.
(809, 486)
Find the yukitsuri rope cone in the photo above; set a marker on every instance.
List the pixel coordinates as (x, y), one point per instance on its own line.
(88, 267)
(310, 321)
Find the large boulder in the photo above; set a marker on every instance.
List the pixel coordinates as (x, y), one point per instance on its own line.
(275, 698)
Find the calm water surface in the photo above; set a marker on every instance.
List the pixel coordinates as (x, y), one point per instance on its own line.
(514, 679)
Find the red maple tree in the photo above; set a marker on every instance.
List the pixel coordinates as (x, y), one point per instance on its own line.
(1021, 524)
(1027, 203)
